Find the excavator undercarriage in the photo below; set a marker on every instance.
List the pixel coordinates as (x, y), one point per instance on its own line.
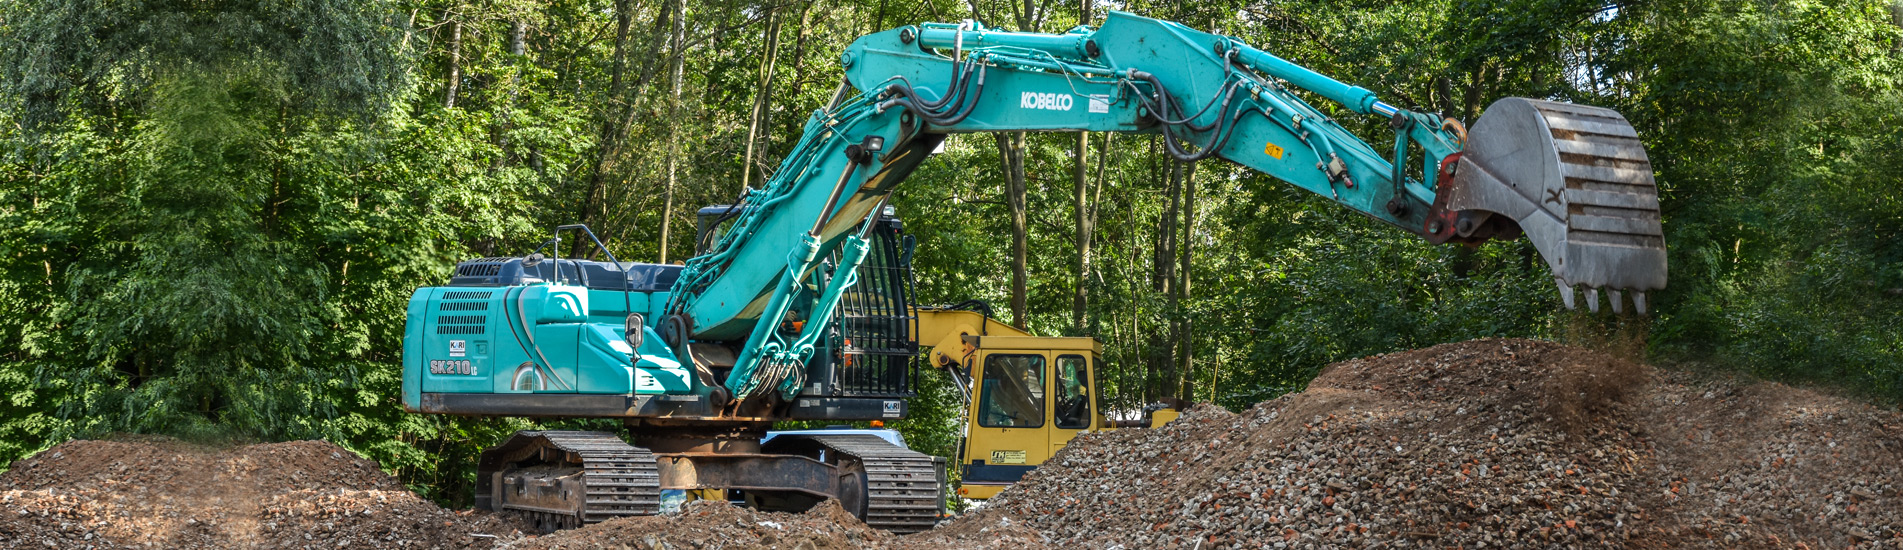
(567, 479)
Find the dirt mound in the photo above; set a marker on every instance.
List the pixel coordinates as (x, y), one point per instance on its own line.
(1489, 443)
(165, 494)
(1478, 444)
(716, 524)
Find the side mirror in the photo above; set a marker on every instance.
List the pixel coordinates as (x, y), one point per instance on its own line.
(636, 331)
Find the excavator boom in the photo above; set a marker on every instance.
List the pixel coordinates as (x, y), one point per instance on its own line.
(1574, 178)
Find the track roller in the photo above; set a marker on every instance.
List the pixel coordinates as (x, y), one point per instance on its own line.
(563, 479)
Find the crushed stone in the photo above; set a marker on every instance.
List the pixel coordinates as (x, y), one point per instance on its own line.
(1484, 444)
(1497, 443)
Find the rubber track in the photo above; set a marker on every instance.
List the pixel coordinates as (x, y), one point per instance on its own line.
(904, 493)
(622, 479)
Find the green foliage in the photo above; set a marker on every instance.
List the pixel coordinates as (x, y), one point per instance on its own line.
(1778, 131)
(212, 213)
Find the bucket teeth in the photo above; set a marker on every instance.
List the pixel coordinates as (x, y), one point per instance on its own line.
(1614, 296)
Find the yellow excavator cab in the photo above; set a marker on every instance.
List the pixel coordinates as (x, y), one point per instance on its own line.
(1029, 394)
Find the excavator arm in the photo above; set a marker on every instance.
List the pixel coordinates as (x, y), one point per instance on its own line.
(1574, 178)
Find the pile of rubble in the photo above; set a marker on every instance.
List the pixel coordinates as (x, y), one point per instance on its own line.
(716, 524)
(164, 494)
(1489, 443)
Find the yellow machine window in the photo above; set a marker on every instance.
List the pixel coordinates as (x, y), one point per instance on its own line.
(1073, 393)
(1013, 395)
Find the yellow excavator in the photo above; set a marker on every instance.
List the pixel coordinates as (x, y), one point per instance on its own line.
(1026, 396)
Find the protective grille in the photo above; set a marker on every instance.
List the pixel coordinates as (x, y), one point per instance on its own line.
(459, 329)
(468, 294)
(876, 322)
(472, 269)
(463, 306)
(462, 320)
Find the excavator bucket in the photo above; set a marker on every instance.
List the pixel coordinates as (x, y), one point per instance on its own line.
(1576, 180)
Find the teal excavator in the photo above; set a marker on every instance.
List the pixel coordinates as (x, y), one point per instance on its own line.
(800, 305)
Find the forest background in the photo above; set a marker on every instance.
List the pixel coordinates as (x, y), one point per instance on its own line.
(212, 212)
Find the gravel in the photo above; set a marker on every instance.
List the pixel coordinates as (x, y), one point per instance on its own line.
(1484, 444)
(716, 524)
(1481, 444)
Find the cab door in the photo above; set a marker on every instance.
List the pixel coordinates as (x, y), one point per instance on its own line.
(1073, 399)
(1010, 417)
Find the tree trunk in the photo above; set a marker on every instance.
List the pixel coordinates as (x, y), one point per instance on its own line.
(1186, 367)
(518, 45)
(1096, 197)
(1011, 147)
(623, 92)
(455, 60)
(1011, 150)
(1080, 184)
(799, 52)
(762, 96)
(1162, 351)
(605, 143)
(1174, 381)
(673, 126)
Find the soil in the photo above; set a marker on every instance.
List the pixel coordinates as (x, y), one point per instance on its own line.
(166, 494)
(1481, 444)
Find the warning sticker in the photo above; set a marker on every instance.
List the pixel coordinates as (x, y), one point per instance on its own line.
(1272, 150)
(893, 409)
(456, 348)
(1007, 457)
(1100, 103)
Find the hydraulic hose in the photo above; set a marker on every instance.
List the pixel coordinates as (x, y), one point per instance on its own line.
(965, 105)
(960, 72)
(1163, 106)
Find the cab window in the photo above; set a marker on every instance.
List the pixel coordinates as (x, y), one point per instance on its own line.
(1073, 393)
(1013, 394)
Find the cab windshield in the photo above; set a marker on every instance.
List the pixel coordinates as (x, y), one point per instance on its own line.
(1013, 394)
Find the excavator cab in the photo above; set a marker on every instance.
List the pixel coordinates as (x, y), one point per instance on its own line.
(1031, 396)
(1028, 396)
